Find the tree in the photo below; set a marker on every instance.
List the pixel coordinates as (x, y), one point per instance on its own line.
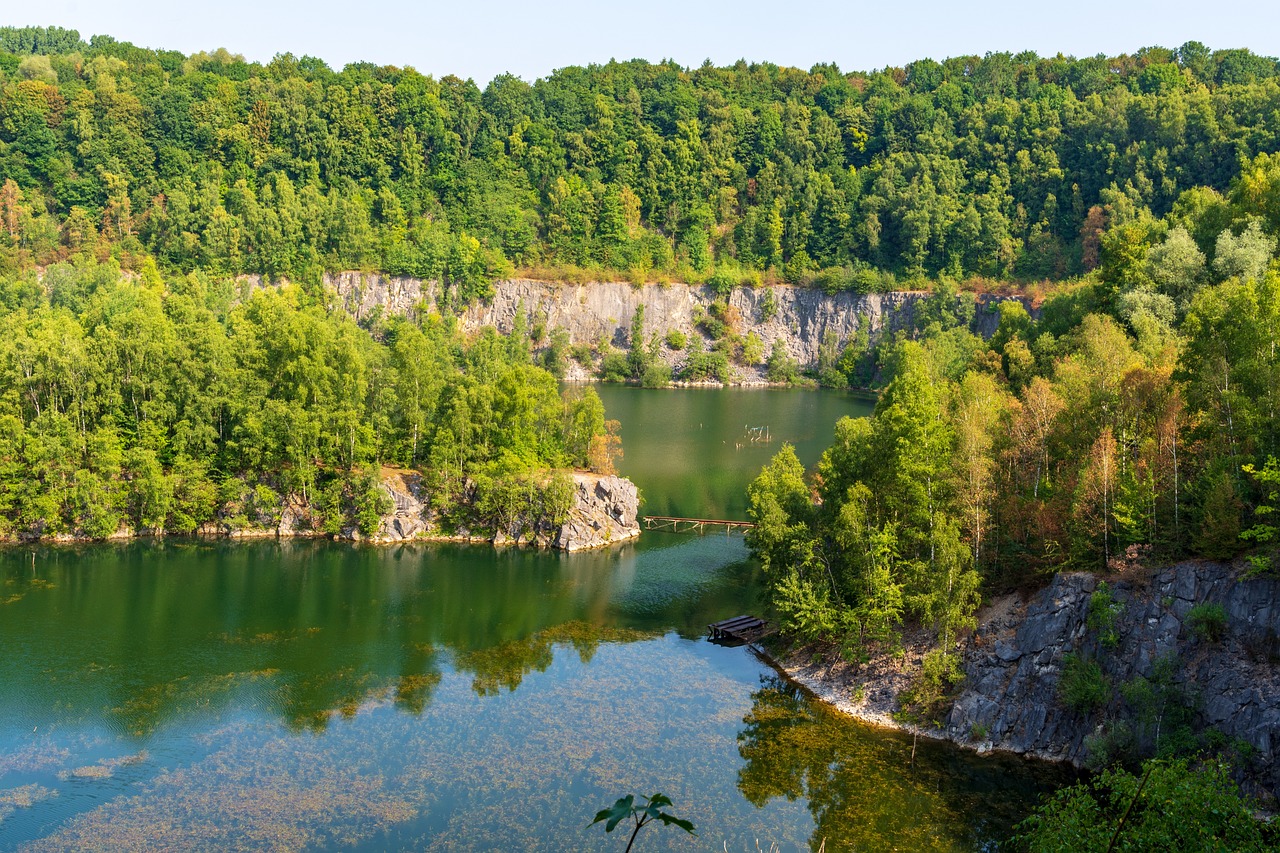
(1171, 806)
(1245, 256)
(641, 814)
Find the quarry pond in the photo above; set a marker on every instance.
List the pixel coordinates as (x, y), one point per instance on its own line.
(202, 694)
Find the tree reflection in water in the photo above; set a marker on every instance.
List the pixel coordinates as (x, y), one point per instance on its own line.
(863, 787)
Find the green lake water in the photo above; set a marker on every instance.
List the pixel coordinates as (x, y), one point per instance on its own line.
(200, 695)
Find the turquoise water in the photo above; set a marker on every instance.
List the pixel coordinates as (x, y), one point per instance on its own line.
(316, 695)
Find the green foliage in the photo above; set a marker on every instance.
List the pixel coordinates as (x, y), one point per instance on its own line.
(847, 181)
(1173, 805)
(641, 814)
(768, 307)
(1208, 620)
(1103, 612)
(781, 367)
(1083, 688)
(676, 340)
(148, 404)
(1264, 533)
(927, 699)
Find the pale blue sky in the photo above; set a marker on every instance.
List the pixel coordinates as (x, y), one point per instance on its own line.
(478, 39)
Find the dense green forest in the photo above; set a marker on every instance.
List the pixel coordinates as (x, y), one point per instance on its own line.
(159, 404)
(998, 166)
(1117, 430)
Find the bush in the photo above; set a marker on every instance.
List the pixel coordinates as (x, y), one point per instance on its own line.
(1103, 611)
(781, 367)
(615, 367)
(1083, 688)
(768, 306)
(928, 698)
(1173, 806)
(752, 349)
(676, 340)
(702, 366)
(656, 375)
(723, 280)
(1208, 621)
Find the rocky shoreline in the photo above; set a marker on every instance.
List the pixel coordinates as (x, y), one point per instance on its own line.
(1013, 666)
(604, 513)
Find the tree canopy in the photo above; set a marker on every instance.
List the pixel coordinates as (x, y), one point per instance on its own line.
(1001, 165)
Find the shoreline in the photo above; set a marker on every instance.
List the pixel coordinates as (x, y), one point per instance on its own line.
(258, 534)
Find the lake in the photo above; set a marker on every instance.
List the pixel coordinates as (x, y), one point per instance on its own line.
(189, 694)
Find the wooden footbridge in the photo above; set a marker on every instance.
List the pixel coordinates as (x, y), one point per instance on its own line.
(693, 525)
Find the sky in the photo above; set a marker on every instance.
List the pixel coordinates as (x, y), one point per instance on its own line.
(482, 38)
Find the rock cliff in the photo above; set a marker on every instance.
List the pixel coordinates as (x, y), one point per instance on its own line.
(603, 310)
(603, 513)
(1014, 664)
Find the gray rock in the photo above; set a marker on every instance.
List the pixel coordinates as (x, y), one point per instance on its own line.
(1012, 690)
(590, 312)
(604, 512)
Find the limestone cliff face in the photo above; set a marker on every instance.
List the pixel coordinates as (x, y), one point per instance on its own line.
(603, 513)
(603, 310)
(1014, 662)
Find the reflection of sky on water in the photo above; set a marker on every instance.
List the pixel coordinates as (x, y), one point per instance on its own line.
(216, 695)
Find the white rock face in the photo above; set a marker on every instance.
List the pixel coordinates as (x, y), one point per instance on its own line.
(604, 513)
(408, 519)
(802, 318)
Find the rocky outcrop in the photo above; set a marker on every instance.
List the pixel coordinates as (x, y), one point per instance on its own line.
(408, 518)
(1013, 666)
(604, 513)
(800, 317)
(1014, 663)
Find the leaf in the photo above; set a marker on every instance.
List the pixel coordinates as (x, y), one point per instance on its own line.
(620, 811)
(672, 820)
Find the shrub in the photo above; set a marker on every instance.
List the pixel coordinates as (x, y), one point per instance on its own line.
(676, 340)
(768, 306)
(928, 698)
(1103, 610)
(1208, 621)
(1083, 688)
(1173, 806)
(656, 375)
(781, 367)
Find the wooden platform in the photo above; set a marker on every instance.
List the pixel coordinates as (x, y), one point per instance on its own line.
(740, 629)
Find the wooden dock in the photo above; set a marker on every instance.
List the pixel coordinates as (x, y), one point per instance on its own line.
(693, 525)
(740, 629)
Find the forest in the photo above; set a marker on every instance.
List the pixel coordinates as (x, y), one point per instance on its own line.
(1130, 414)
(161, 405)
(1129, 420)
(998, 167)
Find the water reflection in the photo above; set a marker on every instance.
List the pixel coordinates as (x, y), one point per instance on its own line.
(150, 632)
(690, 452)
(289, 695)
(941, 799)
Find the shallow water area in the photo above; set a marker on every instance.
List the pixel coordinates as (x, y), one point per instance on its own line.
(179, 694)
